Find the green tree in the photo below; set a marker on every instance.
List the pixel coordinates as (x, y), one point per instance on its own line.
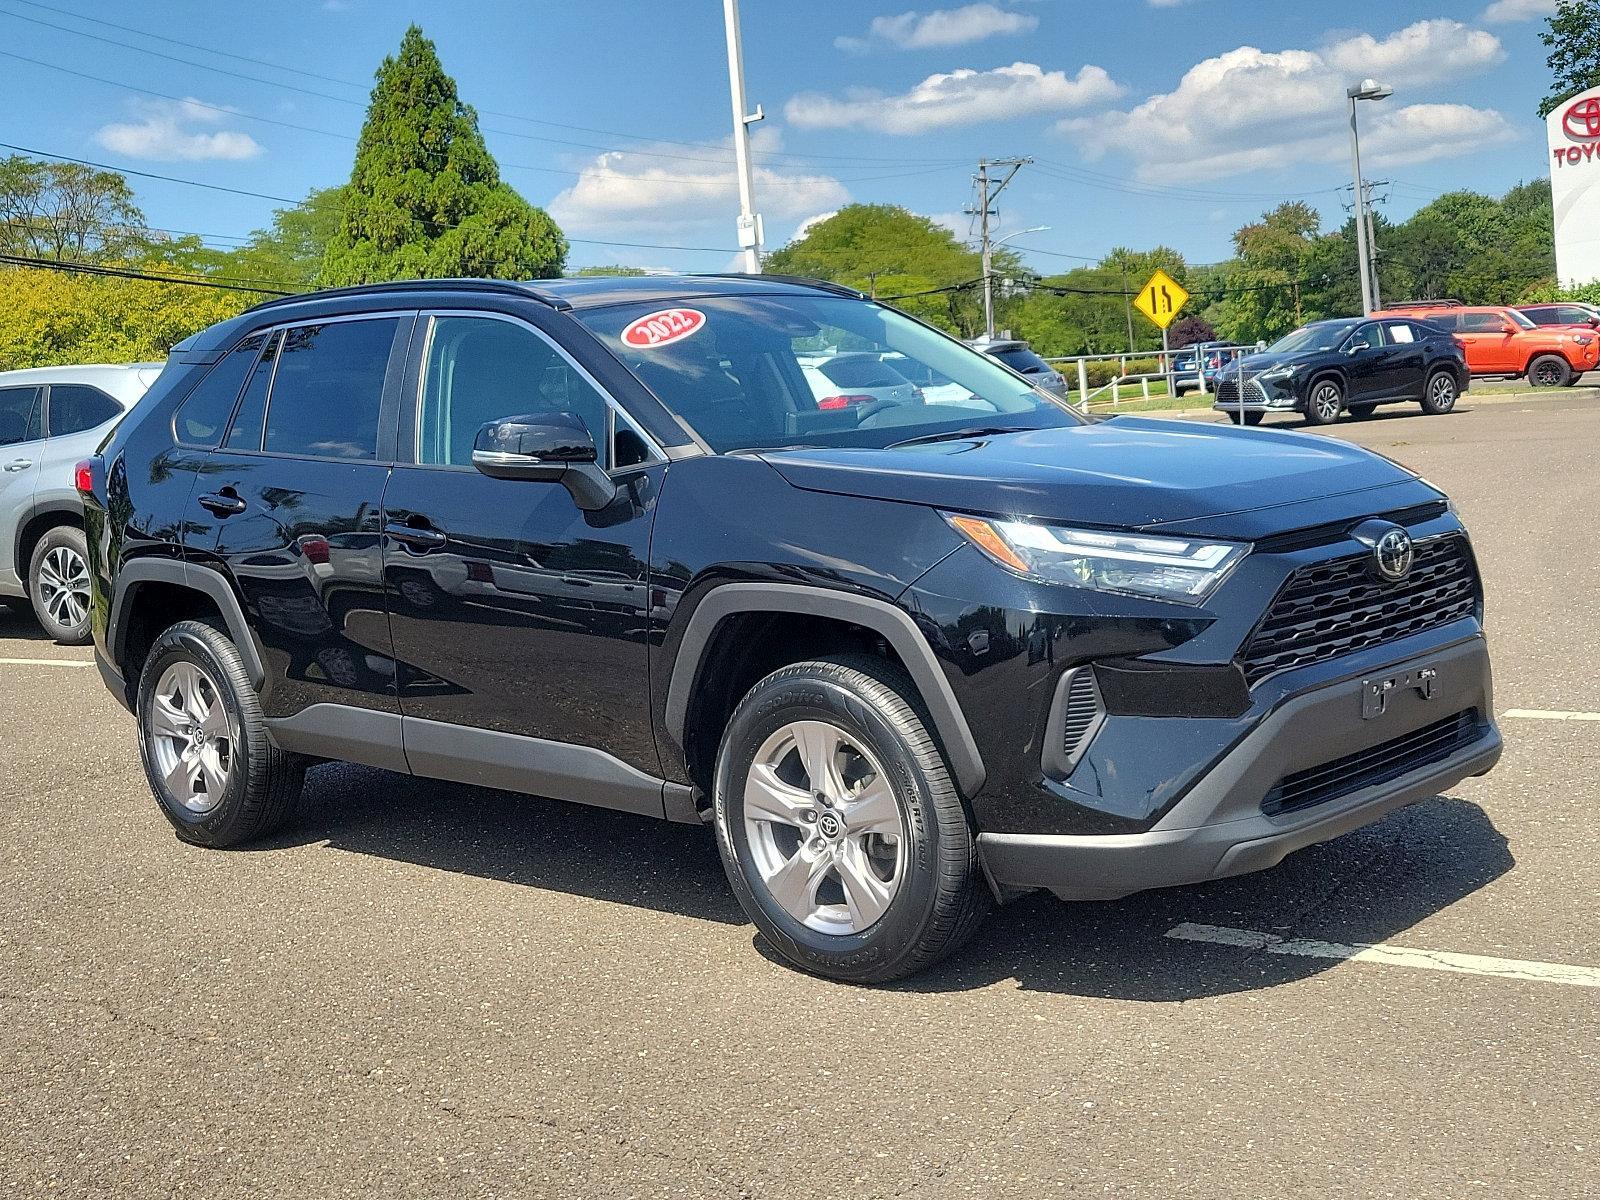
(1573, 38)
(288, 253)
(611, 270)
(67, 211)
(425, 198)
(885, 250)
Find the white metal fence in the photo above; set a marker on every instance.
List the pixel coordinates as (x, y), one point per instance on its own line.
(1075, 370)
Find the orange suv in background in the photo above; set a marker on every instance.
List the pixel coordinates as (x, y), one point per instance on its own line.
(1503, 341)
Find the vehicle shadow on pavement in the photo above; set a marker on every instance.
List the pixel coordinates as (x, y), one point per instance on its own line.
(545, 844)
(1368, 886)
(18, 623)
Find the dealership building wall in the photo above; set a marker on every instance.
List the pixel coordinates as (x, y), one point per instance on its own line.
(1574, 132)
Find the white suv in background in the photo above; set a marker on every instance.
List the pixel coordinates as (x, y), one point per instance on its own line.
(50, 417)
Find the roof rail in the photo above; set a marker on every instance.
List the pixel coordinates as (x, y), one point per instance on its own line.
(1425, 304)
(821, 285)
(504, 287)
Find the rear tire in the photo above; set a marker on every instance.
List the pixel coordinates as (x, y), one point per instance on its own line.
(1549, 370)
(1324, 403)
(1441, 394)
(217, 777)
(58, 585)
(841, 831)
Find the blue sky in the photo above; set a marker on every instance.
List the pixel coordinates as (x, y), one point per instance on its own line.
(1151, 120)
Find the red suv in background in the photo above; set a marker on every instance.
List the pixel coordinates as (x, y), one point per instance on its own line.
(1503, 341)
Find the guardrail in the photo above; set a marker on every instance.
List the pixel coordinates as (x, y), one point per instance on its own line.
(1078, 365)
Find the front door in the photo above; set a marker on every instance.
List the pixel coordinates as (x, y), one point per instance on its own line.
(519, 613)
(1488, 341)
(294, 493)
(1367, 368)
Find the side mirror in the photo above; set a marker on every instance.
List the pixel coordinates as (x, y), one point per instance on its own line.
(1357, 346)
(1507, 327)
(548, 447)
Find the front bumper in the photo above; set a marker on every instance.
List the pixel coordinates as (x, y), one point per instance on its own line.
(1255, 394)
(1220, 828)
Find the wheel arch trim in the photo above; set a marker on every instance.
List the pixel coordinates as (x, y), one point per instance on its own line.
(894, 624)
(209, 583)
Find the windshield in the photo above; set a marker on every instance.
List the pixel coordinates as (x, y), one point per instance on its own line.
(1520, 318)
(1312, 337)
(752, 372)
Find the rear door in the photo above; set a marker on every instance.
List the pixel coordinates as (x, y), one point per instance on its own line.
(293, 496)
(21, 449)
(515, 612)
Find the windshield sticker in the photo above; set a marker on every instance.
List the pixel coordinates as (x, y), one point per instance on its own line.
(663, 328)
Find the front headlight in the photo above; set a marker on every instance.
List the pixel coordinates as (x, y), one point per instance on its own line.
(1159, 567)
(1279, 373)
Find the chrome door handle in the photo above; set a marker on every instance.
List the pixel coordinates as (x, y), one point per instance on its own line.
(222, 504)
(420, 538)
(19, 464)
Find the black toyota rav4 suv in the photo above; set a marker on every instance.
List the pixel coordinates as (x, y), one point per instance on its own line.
(601, 540)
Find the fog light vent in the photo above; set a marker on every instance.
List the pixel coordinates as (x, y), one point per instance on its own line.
(1081, 714)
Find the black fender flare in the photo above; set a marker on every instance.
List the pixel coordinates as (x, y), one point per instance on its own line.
(894, 624)
(209, 583)
(46, 508)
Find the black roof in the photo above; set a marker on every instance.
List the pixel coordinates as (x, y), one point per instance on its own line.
(590, 291)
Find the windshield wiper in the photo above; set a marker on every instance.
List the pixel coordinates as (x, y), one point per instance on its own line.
(958, 435)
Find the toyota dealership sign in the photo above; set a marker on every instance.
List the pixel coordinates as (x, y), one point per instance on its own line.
(1574, 129)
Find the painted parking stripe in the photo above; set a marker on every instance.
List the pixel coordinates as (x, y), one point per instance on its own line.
(1392, 956)
(1546, 714)
(46, 662)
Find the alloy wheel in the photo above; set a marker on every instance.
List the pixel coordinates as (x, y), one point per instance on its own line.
(1547, 374)
(824, 828)
(1443, 392)
(191, 737)
(64, 586)
(1325, 400)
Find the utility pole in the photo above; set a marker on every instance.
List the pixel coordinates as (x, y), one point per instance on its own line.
(988, 187)
(749, 224)
(1367, 89)
(1372, 255)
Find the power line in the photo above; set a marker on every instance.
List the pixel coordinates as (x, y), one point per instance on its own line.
(83, 268)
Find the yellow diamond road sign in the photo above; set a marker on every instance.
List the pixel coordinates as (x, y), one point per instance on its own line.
(1161, 298)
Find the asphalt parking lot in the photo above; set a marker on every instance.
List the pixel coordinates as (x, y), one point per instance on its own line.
(428, 990)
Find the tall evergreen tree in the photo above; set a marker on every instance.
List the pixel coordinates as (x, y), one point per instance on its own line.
(425, 199)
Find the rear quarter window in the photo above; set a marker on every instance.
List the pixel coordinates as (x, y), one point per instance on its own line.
(75, 407)
(1023, 360)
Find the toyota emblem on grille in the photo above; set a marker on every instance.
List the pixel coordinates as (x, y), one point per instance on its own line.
(1392, 555)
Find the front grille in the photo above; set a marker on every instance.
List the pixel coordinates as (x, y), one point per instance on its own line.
(1228, 391)
(1376, 764)
(1337, 607)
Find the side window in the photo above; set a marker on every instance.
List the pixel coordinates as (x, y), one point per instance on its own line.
(1399, 334)
(1481, 322)
(205, 413)
(19, 414)
(1371, 333)
(245, 433)
(75, 407)
(479, 370)
(328, 389)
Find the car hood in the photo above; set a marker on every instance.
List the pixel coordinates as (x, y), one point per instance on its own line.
(1128, 473)
(1254, 364)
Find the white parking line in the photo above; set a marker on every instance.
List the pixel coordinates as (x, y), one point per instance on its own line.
(46, 662)
(1393, 956)
(1545, 714)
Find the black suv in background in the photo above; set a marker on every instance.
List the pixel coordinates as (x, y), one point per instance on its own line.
(1353, 363)
(598, 540)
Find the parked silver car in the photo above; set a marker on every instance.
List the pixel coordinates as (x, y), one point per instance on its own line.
(50, 417)
(1020, 357)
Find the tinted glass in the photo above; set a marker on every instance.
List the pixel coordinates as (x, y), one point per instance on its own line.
(74, 408)
(1372, 334)
(1397, 333)
(857, 370)
(245, 433)
(19, 415)
(738, 378)
(328, 389)
(1543, 316)
(1482, 322)
(204, 414)
(480, 370)
(1022, 359)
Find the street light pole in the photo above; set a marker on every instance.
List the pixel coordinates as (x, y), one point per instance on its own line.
(1368, 89)
(749, 224)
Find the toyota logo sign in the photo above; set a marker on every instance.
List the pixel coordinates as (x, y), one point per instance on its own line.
(1582, 120)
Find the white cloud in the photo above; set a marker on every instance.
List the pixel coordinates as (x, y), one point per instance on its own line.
(1504, 12)
(622, 191)
(1251, 109)
(166, 132)
(961, 97)
(1424, 53)
(941, 27)
(811, 223)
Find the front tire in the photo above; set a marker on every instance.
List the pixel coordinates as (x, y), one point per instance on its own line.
(841, 831)
(1549, 370)
(1325, 402)
(58, 585)
(217, 777)
(1441, 395)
